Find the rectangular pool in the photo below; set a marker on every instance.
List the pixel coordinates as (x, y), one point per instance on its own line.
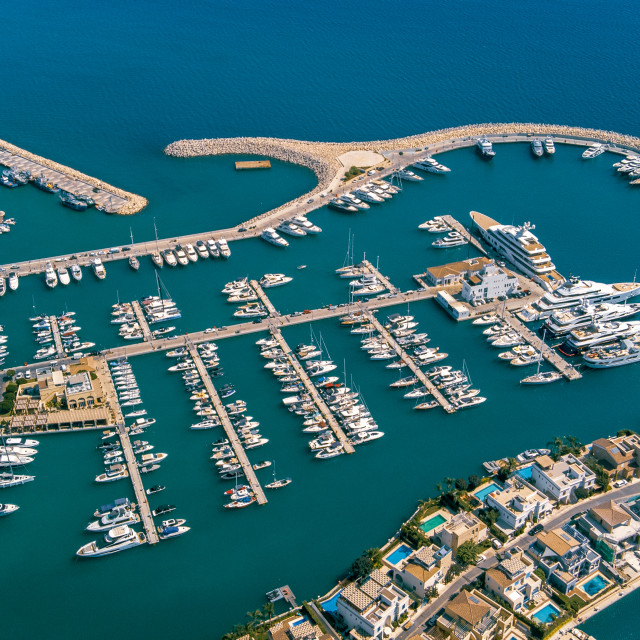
(485, 491)
(432, 523)
(525, 473)
(595, 585)
(546, 614)
(399, 554)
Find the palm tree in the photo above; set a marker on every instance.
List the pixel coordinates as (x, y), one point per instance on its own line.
(449, 482)
(574, 444)
(439, 488)
(268, 609)
(556, 445)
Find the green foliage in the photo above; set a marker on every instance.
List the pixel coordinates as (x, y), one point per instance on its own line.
(625, 432)
(496, 533)
(561, 445)
(352, 173)
(12, 387)
(581, 493)
(413, 535)
(10, 373)
(571, 604)
(431, 594)
(461, 484)
(488, 515)
(314, 616)
(602, 477)
(454, 571)
(467, 553)
(474, 481)
(540, 573)
(361, 567)
(93, 375)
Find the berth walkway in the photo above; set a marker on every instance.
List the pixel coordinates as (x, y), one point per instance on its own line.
(330, 419)
(460, 228)
(273, 312)
(142, 321)
(383, 279)
(132, 464)
(232, 436)
(404, 356)
(549, 354)
(57, 339)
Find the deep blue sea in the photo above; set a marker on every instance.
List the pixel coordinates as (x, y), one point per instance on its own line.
(104, 87)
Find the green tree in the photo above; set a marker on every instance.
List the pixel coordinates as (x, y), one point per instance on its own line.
(431, 593)
(556, 447)
(474, 481)
(461, 484)
(467, 553)
(361, 567)
(581, 493)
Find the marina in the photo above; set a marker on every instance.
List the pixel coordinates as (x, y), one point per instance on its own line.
(327, 414)
(229, 430)
(142, 321)
(402, 354)
(57, 340)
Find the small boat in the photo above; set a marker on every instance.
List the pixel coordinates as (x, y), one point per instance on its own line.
(594, 151)
(76, 272)
(6, 508)
(167, 530)
(164, 508)
(272, 237)
(544, 377)
(156, 488)
(107, 508)
(240, 504)
(261, 465)
(536, 148)
(117, 539)
(549, 146)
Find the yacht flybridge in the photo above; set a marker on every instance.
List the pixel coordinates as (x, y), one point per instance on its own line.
(518, 245)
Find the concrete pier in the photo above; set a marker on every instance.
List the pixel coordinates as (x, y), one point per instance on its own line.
(549, 354)
(460, 228)
(242, 165)
(57, 339)
(273, 312)
(142, 321)
(132, 464)
(327, 414)
(369, 268)
(232, 436)
(404, 356)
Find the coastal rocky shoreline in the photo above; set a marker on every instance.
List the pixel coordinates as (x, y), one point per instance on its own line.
(323, 157)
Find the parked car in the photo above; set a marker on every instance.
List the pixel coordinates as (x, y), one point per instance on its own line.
(535, 530)
(496, 543)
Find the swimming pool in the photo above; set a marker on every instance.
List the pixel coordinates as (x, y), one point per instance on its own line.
(399, 554)
(484, 492)
(331, 605)
(432, 523)
(546, 614)
(298, 621)
(525, 473)
(595, 585)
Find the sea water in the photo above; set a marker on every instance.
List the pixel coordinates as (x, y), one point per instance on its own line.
(104, 90)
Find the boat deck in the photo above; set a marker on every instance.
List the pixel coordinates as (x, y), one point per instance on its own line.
(330, 419)
(404, 356)
(57, 338)
(232, 436)
(142, 321)
(549, 354)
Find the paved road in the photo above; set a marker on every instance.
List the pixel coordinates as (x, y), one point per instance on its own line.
(558, 519)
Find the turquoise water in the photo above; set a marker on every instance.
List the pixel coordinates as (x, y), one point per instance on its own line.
(595, 585)
(398, 554)
(483, 493)
(526, 473)
(546, 614)
(618, 621)
(432, 523)
(144, 74)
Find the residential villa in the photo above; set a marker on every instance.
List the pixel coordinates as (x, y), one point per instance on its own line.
(514, 579)
(613, 528)
(375, 604)
(423, 569)
(462, 528)
(471, 615)
(559, 479)
(565, 556)
(489, 283)
(619, 456)
(517, 504)
(296, 629)
(452, 273)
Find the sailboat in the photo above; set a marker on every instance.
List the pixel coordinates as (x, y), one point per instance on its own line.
(277, 484)
(544, 377)
(134, 263)
(156, 256)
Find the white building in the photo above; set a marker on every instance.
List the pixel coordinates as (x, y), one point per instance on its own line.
(424, 568)
(489, 283)
(373, 605)
(517, 504)
(560, 479)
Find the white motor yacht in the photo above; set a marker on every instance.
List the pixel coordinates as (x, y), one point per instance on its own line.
(170, 257)
(272, 237)
(123, 515)
(116, 472)
(202, 250)
(50, 277)
(191, 252)
(594, 151)
(6, 508)
(406, 174)
(431, 165)
(223, 247)
(549, 146)
(452, 239)
(181, 256)
(305, 224)
(368, 196)
(536, 148)
(291, 229)
(616, 355)
(342, 205)
(212, 247)
(274, 280)
(485, 148)
(117, 539)
(13, 280)
(354, 201)
(98, 269)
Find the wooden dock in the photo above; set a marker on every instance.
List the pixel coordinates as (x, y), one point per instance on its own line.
(232, 436)
(264, 298)
(242, 165)
(549, 354)
(57, 338)
(460, 228)
(327, 414)
(383, 279)
(132, 464)
(404, 356)
(142, 321)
